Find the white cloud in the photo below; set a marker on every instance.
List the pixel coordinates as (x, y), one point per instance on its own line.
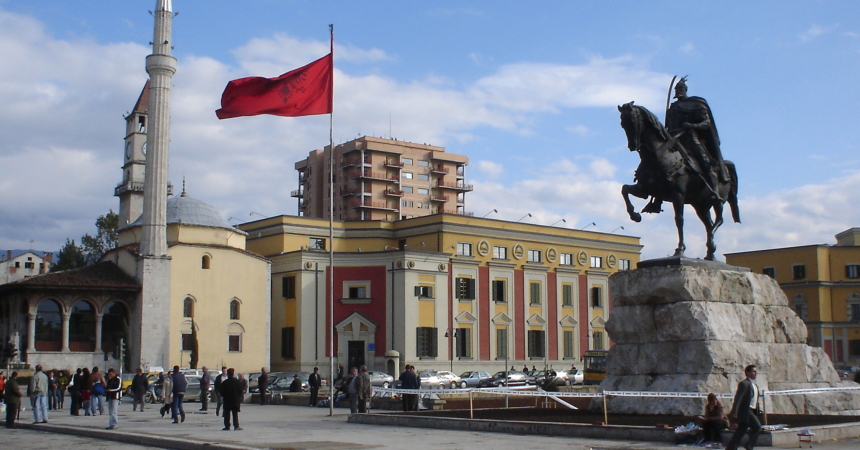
(687, 48)
(815, 31)
(581, 130)
(490, 169)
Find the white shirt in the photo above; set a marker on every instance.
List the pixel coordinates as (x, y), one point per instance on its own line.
(754, 399)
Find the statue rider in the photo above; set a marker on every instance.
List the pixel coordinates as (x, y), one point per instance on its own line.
(690, 119)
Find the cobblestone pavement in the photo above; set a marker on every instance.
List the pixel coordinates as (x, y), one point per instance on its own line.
(33, 439)
(290, 427)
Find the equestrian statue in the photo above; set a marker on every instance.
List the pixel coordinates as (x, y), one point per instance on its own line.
(680, 164)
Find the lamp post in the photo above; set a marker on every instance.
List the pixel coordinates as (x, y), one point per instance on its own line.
(507, 338)
(452, 333)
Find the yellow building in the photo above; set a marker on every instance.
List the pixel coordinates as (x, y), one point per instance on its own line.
(822, 283)
(443, 291)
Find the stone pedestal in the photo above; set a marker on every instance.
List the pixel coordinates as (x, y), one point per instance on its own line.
(692, 328)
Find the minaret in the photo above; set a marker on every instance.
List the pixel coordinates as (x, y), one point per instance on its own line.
(153, 269)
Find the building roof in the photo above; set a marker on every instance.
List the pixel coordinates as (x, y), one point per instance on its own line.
(142, 104)
(100, 275)
(185, 210)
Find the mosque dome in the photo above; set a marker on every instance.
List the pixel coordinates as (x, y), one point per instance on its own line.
(184, 210)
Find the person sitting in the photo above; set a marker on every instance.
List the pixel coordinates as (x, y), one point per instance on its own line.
(296, 385)
(714, 420)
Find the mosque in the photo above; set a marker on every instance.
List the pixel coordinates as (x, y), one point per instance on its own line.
(442, 290)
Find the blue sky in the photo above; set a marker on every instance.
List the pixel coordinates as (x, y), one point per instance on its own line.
(527, 90)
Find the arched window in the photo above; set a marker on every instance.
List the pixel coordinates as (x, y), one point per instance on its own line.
(49, 327)
(234, 309)
(114, 326)
(207, 261)
(234, 337)
(82, 327)
(188, 307)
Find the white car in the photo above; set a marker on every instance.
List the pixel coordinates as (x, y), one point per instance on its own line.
(449, 380)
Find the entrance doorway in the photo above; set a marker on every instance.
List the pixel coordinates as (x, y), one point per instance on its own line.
(355, 353)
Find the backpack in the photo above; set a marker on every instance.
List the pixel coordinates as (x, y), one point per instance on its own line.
(98, 388)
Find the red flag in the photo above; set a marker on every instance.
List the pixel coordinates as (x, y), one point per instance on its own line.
(302, 92)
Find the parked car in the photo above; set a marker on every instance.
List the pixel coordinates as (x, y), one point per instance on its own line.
(450, 380)
(284, 379)
(471, 379)
(193, 393)
(380, 379)
(511, 379)
(575, 377)
(553, 379)
(430, 380)
(847, 371)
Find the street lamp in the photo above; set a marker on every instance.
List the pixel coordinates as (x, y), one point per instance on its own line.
(523, 217)
(616, 229)
(491, 212)
(452, 333)
(589, 225)
(557, 221)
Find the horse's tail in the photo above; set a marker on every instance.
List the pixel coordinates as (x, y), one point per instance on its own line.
(733, 191)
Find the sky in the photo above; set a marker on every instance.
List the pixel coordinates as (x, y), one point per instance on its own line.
(527, 90)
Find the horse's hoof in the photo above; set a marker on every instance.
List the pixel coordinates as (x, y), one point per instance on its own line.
(710, 257)
(679, 253)
(636, 217)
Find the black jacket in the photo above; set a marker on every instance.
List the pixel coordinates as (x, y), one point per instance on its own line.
(231, 391)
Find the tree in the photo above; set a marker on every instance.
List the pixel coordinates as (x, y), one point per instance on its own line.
(71, 256)
(105, 239)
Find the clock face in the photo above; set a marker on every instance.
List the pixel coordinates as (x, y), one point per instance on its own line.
(144, 148)
(128, 150)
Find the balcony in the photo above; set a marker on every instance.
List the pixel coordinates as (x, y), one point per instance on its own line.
(344, 192)
(354, 162)
(438, 198)
(372, 205)
(393, 163)
(298, 193)
(440, 169)
(370, 175)
(129, 186)
(393, 192)
(455, 186)
(455, 212)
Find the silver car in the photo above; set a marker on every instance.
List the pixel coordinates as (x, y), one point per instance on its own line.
(471, 379)
(380, 379)
(450, 380)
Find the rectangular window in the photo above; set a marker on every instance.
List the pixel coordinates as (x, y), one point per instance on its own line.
(596, 262)
(534, 293)
(29, 265)
(566, 259)
(855, 312)
(288, 343)
(464, 343)
(424, 291)
(423, 177)
(500, 252)
(317, 244)
(502, 343)
(407, 189)
(852, 271)
(536, 343)
(499, 291)
(769, 271)
(534, 256)
(407, 175)
(423, 163)
(567, 295)
(597, 297)
(464, 249)
(798, 271)
(426, 342)
(854, 348)
(407, 161)
(423, 191)
(623, 264)
(465, 288)
(568, 343)
(597, 340)
(187, 342)
(357, 292)
(288, 287)
(234, 343)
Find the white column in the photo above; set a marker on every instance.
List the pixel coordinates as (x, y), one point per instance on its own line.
(65, 338)
(98, 348)
(31, 333)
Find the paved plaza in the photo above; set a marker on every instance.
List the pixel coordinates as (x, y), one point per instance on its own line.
(286, 427)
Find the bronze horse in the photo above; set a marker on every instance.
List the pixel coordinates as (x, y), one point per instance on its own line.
(667, 173)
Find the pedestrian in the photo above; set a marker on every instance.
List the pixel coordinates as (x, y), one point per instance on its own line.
(37, 392)
(353, 384)
(139, 386)
(340, 374)
(180, 384)
(52, 390)
(205, 382)
(342, 386)
(409, 380)
(365, 390)
(86, 391)
(217, 391)
(12, 394)
(525, 369)
(113, 391)
(97, 391)
(62, 383)
(2, 382)
(263, 385)
(744, 410)
(231, 396)
(314, 384)
(244, 382)
(167, 393)
(296, 385)
(75, 388)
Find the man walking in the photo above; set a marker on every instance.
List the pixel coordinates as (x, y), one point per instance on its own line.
(180, 384)
(38, 390)
(263, 385)
(314, 383)
(13, 400)
(113, 388)
(409, 380)
(744, 410)
(365, 390)
(217, 391)
(231, 395)
(139, 386)
(205, 381)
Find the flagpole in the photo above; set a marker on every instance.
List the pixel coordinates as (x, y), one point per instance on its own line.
(330, 328)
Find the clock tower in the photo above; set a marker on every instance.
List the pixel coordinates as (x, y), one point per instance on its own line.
(130, 189)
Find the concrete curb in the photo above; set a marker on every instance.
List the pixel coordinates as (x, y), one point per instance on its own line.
(135, 438)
